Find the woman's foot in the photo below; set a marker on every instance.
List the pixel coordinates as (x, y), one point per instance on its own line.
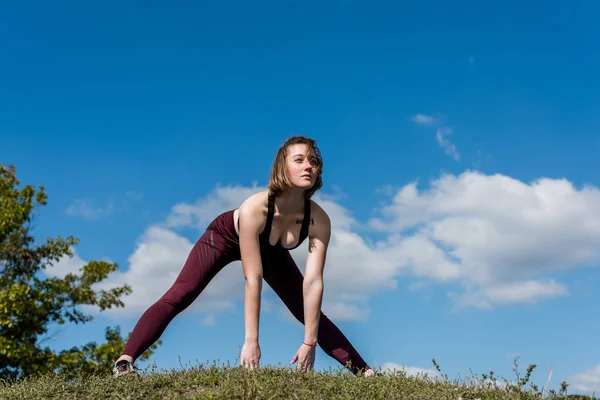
(123, 366)
(369, 372)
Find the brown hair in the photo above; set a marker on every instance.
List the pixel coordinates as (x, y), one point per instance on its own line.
(279, 180)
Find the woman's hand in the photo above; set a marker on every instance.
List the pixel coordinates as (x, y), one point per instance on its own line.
(250, 357)
(305, 356)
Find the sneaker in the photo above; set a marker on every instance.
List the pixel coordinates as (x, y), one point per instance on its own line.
(123, 367)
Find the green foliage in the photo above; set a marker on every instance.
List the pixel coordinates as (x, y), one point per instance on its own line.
(30, 302)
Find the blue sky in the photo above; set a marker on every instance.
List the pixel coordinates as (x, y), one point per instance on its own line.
(459, 144)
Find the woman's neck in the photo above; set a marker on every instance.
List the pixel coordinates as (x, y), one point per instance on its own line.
(290, 201)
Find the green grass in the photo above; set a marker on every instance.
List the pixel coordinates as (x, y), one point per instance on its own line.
(216, 381)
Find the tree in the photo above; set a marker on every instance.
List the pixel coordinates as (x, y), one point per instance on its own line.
(30, 302)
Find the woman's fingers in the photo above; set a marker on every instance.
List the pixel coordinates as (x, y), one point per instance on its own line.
(250, 364)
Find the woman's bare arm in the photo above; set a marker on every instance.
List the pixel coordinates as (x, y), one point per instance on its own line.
(313, 276)
(251, 222)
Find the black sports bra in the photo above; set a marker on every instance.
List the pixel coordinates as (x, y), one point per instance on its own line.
(265, 235)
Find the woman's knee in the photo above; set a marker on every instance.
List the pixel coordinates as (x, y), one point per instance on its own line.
(180, 295)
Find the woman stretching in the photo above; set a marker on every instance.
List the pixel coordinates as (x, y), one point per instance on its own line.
(261, 234)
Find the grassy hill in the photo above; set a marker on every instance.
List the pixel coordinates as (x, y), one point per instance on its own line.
(216, 381)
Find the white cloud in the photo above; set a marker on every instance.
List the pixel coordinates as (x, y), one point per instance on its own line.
(498, 236)
(423, 119)
(495, 240)
(199, 214)
(342, 311)
(66, 265)
(86, 209)
(530, 291)
(390, 367)
(587, 381)
(441, 136)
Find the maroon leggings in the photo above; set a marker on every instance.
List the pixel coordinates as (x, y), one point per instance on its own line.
(216, 248)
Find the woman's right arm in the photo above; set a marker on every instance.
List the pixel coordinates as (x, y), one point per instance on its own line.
(251, 221)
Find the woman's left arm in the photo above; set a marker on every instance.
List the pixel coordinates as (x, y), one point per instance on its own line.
(312, 286)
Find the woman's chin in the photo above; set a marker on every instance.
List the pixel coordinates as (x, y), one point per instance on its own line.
(303, 185)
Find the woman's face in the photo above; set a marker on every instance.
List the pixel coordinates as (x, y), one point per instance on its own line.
(302, 167)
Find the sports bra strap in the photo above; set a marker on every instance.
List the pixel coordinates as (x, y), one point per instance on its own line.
(270, 213)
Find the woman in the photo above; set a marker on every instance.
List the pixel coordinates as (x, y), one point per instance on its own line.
(261, 233)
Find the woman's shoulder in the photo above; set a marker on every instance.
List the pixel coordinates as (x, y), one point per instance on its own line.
(319, 219)
(315, 208)
(256, 203)
(253, 211)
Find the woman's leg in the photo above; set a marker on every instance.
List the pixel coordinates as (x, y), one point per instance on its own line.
(204, 261)
(283, 276)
